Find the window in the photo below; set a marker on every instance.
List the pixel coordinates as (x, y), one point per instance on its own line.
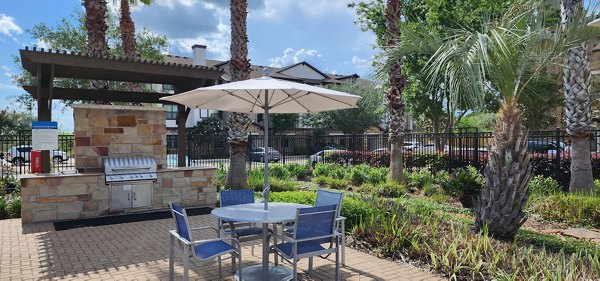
(171, 112)
(259, 117)
(167, 87)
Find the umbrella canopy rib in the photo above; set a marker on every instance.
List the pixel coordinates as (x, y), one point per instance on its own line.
(291, 98)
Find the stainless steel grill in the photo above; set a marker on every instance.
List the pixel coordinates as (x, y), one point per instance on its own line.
(127, 169)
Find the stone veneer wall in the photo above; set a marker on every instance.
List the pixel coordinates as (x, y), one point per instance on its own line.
(108, 130)
(62, 197)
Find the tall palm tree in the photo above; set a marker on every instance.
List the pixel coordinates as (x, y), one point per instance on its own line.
(578, 104)
(239, 69)
(128, 36)
(509, 56)
(396, 83)
(95, 24)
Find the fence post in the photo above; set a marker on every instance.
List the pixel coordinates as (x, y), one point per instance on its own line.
(476, 149)
(558, 154)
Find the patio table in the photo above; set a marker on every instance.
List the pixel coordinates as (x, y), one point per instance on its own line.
(278, 212)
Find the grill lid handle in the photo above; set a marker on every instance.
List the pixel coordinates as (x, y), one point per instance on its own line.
(130, 168)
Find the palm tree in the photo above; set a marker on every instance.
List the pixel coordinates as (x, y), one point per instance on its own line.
(239, 69)
(510, 56)
(128, 37)
(396, 83)
(95, 24)
(578, 105)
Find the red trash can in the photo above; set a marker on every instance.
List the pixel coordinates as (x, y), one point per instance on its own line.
(36, 161)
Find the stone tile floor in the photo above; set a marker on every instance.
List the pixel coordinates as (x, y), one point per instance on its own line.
(139, 251)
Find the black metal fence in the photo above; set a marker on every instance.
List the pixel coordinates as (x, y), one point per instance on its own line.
(15, 154)
(459, 148)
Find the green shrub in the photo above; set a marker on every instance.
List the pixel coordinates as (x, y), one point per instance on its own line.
(320, 180)
(256, 182)
(14, 207)
(279, 171)
(441, 177)
(299, 197)
(299, 171)
(3, 208)
(540, 185)
(465, 184)
(221, 176)
(573, 209)
(9, 185)
(429, 190)
(388, 190)
(419, 178)
(359, 174)
(597, 186)
(378, 175)
(337, 183)
(330, 170)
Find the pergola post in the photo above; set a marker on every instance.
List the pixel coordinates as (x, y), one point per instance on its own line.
(45, 78)
(182, 115)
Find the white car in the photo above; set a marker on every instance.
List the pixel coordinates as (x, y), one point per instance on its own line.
(411, 145)
(318, 157)
(19, 155)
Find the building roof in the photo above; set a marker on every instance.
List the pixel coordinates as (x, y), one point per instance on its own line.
(275, 72)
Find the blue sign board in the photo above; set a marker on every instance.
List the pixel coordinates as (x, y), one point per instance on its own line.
(44, 125)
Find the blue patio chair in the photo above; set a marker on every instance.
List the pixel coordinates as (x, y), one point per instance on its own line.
(242, 231)
(182, 241)
(314, 226)
(326, 197)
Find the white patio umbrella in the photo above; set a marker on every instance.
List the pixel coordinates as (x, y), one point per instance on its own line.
(265, 95)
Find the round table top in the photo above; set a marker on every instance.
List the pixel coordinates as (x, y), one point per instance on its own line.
(254, 212)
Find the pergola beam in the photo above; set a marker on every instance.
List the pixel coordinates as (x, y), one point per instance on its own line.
(101, 95)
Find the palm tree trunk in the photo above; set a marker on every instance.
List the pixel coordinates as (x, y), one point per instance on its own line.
(578, 105)
(128, 40)
(95, 24)
(508, 172)
(239, 68)
(395, 104)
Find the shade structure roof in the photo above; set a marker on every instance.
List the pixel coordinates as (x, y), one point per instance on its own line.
(248, 97)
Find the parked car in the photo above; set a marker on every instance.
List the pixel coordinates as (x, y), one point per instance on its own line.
(318, 157)
(411, 145)
(257, 154)
(330, 146)
(381, 150)
(546, 146)
(18, 155)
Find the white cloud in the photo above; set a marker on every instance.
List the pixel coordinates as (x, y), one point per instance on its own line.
(290, 56)
(217, 43)
(8, 26)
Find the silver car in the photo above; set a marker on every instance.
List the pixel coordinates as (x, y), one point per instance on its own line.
(19, 155)
(258, 154)
(318, 157)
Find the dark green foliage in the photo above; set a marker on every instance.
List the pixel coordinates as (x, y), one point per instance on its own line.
(3, 208)
(210, 126)
(14, 207)
(387, 190)
(281, 122)
(256, 182)
(429, 190)
(11, 121)
(279, 171)
(336, 183)
(419, 179)
(299, 171)
(540, 185)
(464, 184)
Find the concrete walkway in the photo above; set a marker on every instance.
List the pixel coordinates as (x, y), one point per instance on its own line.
(139, 251)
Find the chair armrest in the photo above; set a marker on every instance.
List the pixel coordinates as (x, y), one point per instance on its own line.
(335, 234)
(176, 235)
(196, 242)
(285, 238)
(340, 218)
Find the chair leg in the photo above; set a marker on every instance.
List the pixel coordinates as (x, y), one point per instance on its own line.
(344, 243)
(186, 262)
(276, 256)
(232, 258)
(220, 271)
(295, 269)
(337, 261)
(252, 247)
(172, 259)
(310, 265)
(240, 265)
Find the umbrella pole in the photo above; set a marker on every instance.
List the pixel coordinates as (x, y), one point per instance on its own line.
(266, 187)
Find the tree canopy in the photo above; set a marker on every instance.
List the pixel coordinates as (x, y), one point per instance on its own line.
(356, 120)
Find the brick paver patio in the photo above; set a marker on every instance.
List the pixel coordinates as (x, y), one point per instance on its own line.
(139, 251)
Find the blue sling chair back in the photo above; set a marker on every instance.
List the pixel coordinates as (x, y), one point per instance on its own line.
(182, 242)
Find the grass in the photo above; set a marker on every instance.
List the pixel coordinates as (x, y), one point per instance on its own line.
(573, 209)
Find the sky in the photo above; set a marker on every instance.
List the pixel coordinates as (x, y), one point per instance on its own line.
(280, 32)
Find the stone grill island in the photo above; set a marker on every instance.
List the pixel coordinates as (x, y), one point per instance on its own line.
(102, 131)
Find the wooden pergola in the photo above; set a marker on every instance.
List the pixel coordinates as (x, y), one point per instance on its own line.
(48, 65)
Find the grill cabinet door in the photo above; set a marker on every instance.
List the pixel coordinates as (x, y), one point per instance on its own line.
(142, 195)
(120, 197)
